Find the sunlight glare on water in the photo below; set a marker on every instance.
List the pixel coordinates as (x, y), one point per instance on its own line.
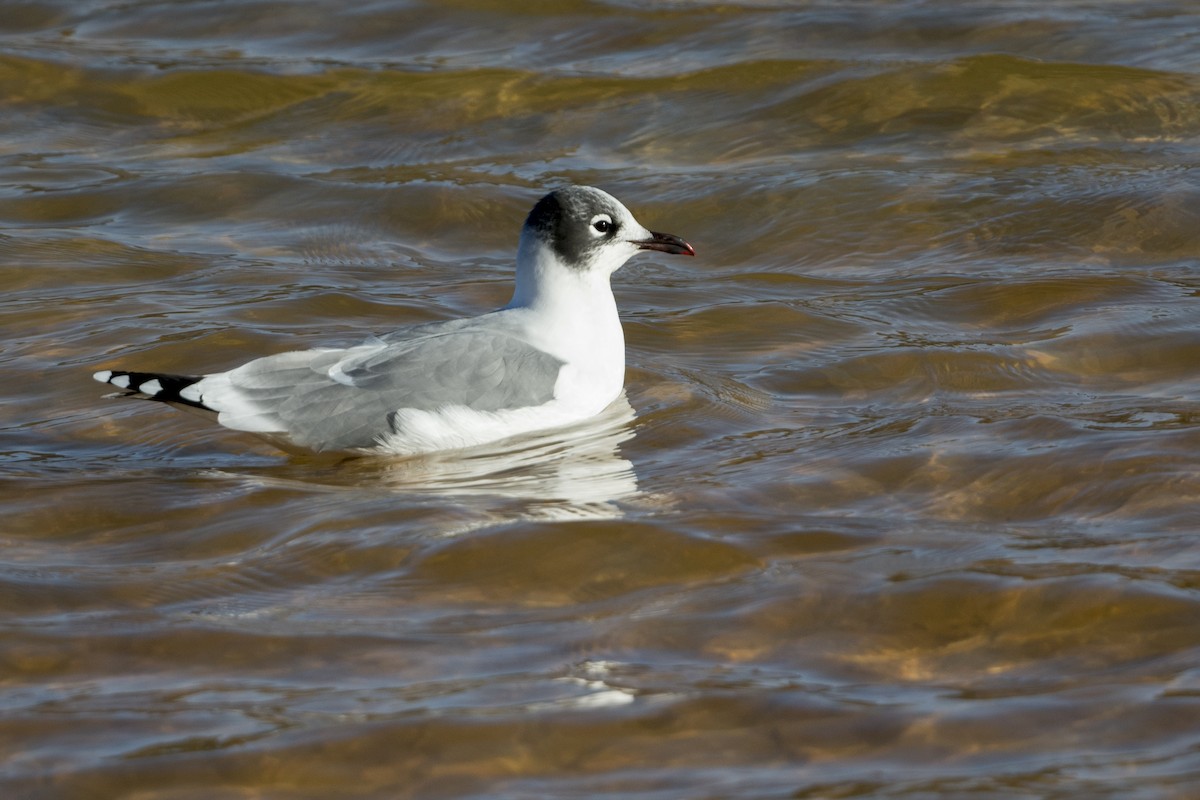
(901, 499)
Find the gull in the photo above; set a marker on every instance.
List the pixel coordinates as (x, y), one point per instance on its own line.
(554, 356)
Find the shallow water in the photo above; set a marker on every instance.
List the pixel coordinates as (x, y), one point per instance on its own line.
(902, 500)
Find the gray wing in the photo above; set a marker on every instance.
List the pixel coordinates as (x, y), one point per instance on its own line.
(342, 399)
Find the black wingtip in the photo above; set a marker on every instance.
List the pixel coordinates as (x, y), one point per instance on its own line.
(152, 385)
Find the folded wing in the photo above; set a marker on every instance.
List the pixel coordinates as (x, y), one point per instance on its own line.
(345, 399)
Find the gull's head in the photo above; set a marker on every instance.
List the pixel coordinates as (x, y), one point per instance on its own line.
(591, 231)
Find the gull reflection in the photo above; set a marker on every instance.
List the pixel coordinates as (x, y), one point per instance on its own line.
(576, 471)
(580, 464)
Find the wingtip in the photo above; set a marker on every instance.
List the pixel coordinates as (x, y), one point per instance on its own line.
(117, 379)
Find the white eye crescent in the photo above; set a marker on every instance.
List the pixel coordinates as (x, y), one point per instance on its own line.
(603, 224)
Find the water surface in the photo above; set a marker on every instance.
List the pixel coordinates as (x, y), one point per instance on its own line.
(902, 499)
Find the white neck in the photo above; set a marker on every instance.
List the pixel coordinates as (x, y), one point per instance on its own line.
(572, 298)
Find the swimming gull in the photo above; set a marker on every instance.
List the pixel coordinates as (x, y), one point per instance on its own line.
(553, 356)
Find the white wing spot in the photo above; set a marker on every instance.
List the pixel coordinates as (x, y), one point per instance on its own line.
(121, 381)
(103, 375)
(152, 387)
(339, 375)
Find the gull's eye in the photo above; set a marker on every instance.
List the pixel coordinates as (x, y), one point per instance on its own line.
(603, 223)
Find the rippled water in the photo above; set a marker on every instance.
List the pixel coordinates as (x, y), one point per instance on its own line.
(903, 501)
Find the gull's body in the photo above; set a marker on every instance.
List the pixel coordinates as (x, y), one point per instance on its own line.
(553, 356)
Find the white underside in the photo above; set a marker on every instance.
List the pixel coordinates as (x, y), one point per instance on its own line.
(458, 427)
